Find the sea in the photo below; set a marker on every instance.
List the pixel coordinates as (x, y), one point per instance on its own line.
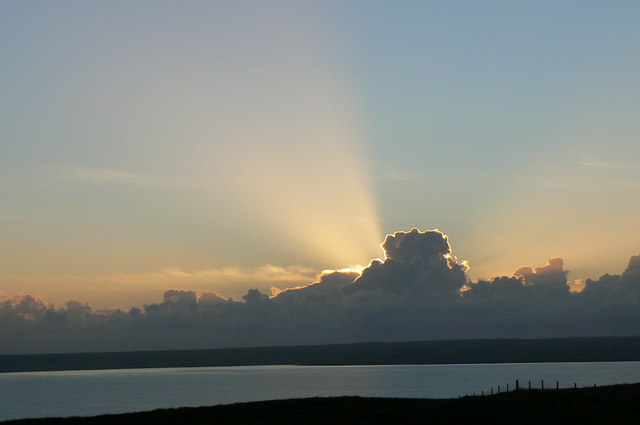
(94, 392)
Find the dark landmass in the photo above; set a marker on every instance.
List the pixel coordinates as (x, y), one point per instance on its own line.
(616, 404)
(420, 352)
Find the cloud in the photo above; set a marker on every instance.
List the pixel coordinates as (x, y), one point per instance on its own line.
(607, 165)
(267, 273)
(400, 176)
(136, 288)
(416, 262)
(6, 217)
(103, 175)
(419, 290)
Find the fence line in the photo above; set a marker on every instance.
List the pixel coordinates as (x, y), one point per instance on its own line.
(499, 388)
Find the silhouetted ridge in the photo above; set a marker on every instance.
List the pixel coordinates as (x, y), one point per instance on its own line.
(416, 352)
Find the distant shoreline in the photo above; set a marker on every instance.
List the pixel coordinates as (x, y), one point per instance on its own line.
(579, 349)
(616, 404)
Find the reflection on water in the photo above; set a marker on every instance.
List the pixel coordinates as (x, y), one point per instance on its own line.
(72, 393)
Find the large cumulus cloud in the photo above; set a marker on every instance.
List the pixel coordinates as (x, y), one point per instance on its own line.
(418, 291)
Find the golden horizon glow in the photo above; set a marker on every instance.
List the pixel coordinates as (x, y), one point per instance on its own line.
(352, 269)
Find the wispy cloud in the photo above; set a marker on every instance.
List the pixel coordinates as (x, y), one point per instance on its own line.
(400, 176)
(103, 175)
(226, 275)
(227, 281)
(607, 165)
(7, 217)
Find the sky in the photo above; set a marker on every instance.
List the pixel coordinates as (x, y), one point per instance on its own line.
(150, 146)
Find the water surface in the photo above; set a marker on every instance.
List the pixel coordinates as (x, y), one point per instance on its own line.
(92, 392)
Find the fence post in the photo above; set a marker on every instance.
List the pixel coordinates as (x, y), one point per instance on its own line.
(498, 389)
(542, 384)
(517, 385)
(507, 387)
(529, 384)
(557, 385)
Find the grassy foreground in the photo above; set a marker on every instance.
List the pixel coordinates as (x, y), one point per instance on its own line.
(618, 404)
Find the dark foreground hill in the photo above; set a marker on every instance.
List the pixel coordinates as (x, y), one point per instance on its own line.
(586, 349)
(619, 404)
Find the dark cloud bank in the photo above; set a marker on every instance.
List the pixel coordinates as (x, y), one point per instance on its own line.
(420, 291)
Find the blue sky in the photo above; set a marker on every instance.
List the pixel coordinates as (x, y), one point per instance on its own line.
(144, 142)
